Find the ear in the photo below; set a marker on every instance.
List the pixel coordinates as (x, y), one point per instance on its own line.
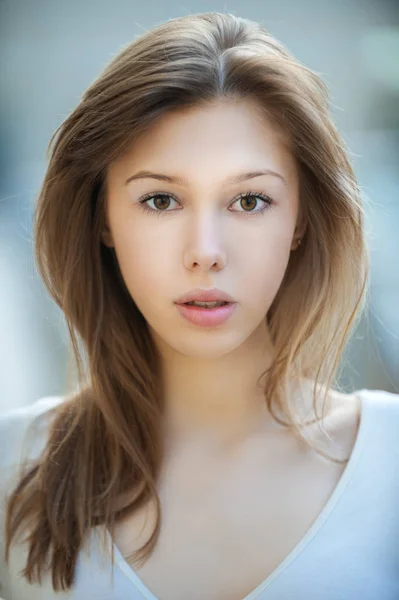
(299, 233)
(106, 237)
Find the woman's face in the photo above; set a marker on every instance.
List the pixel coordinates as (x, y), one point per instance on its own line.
(197, 231)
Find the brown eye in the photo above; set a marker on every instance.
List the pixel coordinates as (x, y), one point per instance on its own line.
(248, 202)
(161, 201)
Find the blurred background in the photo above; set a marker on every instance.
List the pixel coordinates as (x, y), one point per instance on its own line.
(50, 52)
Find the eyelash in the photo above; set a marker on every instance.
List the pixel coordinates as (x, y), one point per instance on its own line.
(268, 202)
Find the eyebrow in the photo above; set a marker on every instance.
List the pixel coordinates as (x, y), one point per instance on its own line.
(181, 181)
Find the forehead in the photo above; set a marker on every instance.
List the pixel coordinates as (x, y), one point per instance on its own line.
(228, 134)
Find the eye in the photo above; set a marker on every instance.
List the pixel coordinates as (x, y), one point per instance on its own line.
(162, 202)
(251, 199)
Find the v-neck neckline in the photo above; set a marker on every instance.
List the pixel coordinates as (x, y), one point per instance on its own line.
(315, 528)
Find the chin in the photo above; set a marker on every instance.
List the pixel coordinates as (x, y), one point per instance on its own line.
(206, 344)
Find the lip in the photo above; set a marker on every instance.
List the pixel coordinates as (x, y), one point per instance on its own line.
(207, 317)
(202, 295)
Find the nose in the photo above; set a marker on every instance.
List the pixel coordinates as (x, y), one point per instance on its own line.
(204, 245)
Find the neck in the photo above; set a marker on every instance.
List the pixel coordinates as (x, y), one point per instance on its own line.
(217, 399)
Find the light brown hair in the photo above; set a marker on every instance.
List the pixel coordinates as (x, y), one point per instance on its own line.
(104, 449)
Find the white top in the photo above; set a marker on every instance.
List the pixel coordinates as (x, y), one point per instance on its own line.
(351, 552)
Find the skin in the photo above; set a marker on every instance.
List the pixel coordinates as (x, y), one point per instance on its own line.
(238, 492)
(204, 238)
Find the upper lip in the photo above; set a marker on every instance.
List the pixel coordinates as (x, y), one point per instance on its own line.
(211, 295)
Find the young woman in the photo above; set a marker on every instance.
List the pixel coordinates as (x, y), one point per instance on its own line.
(201, 228)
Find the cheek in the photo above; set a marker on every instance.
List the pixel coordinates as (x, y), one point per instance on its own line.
(263, 268)
(143, 262)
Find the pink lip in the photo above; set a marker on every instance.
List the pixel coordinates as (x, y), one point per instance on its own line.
(207, 317)
(203, 295)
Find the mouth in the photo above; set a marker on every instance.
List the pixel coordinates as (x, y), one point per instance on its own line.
(205, 297)
(207, 305)
(207, 314)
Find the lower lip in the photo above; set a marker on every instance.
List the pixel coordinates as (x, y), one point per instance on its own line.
(207, 317)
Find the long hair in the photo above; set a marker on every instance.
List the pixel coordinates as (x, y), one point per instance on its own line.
(104, 451)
